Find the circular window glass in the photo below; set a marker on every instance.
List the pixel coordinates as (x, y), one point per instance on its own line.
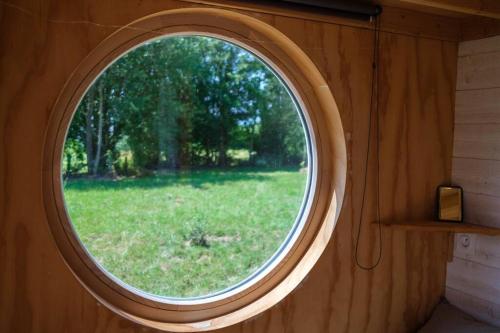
(186, 167)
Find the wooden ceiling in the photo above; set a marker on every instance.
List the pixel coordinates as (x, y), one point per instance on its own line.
(453, 8)
(476, 18)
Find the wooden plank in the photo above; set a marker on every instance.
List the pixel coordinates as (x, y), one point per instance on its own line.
(481, 209)
(478, 71)
(487, 8)
(478, 308)
(403, 21)
(485, 134)
(477, 176)
(474, 279)
(476, 150)
(474, 28)
(485, 250)
(477, 124)
(483, 45)
(451, 246)
(441, 226)
(477, 106)
(477, 141)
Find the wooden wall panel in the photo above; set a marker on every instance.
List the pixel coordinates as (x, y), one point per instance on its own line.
(478, 176)
(482, 309)
(473, 281)
(485, 252)
(482, 209)
(478, 141)
(477, 106)
(476, 28)
(42, 42)
(479, 71)
(477, 46)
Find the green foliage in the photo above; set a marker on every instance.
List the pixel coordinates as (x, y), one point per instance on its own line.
(74, 156)
(183, 102)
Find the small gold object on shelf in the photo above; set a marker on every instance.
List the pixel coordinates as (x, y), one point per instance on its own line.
(450, 203)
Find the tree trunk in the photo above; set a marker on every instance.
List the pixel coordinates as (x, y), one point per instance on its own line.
(89, 145)
(161, 124)
(68, 165)
(222, 153)
(170, 129)
(223, 140)
(99, 129)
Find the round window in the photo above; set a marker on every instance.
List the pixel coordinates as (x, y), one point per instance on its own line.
(194, 169)
(186, 167)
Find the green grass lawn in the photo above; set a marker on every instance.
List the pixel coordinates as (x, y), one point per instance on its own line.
(186, 234)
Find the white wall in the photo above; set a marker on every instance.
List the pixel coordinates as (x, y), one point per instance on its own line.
(473, 278)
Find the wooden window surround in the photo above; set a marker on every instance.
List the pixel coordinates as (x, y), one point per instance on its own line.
(325, 200)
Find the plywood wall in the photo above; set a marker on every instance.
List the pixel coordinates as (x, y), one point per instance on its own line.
(473, 281)
(42, 42)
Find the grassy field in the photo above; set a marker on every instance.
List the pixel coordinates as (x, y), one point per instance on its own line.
(186, 234)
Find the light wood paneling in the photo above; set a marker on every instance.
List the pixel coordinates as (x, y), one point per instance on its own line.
(477, 307)
(477, 176)
(487, 8)
(489, 45)
(488, 252)
(474, 275)
(479, 71)
(477, 141)
(440, 226)
(474, 279)
(485, 251)
(41, 43)
(477, 106)
(482, 209)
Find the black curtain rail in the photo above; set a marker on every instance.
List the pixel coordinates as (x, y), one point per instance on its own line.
(354, 9)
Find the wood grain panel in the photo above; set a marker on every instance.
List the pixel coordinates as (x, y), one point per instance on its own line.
(477, 106)
(481, 209)
(484, 45)
(479, 71)
(474, 28)
(487, 8)
(475, 279)
(399, 20)
(473, 276)
(485, 251)
(417, 80)
(477, 141)
(477, 307)
(476, 149)
(477, 176)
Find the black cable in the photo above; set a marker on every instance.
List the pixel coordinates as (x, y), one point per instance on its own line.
(374, 93)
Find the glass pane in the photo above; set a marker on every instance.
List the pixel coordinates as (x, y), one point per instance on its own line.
(185, 166)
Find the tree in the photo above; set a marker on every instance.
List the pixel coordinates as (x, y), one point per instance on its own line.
(184, 102)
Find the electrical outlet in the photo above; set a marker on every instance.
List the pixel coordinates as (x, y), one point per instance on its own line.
(465, 245)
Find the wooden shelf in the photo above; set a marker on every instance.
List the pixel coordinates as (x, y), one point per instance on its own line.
(440, 226)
